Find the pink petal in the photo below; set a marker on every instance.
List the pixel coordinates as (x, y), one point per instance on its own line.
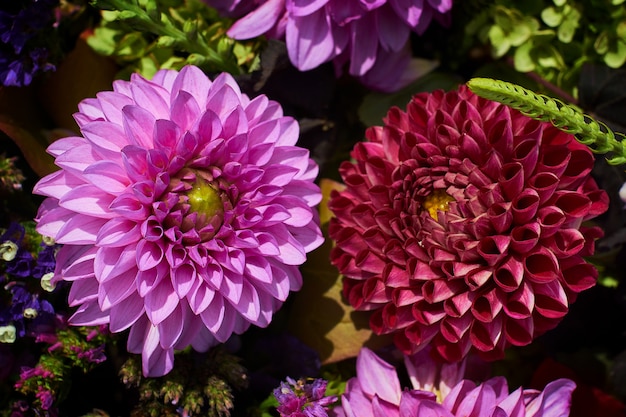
(89, 314)
(185, 110)
(161, 302)
(83, 291)
(364, 45)
(124, 315)
(192, 80)
(171, 328)
(139, 126)
(309, 40)
(377, 377)
(79, 230)
(259, 21)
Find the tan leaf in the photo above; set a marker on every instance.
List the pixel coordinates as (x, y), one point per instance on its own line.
(319, 316)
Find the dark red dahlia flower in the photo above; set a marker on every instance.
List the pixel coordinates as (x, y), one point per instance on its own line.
(461, 225)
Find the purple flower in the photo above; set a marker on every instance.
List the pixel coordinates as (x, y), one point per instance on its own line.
(303, 399)
(46, 260)
(184, 212)
(19, 260)
(24, 38)
(370, 36)
(26, 311)
(376, 391)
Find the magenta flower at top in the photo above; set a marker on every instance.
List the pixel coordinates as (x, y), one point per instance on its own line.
(184, 211)
(462, 225)
(376, 391)
(370, 35)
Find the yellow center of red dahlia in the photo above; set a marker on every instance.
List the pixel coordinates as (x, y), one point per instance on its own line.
(436, 201)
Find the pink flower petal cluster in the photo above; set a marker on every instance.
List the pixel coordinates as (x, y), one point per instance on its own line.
(184, 211)
(376, 391)
(462, 225)
(370, 36)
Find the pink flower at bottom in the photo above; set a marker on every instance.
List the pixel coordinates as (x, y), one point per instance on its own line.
(376, 391)
(184, 211)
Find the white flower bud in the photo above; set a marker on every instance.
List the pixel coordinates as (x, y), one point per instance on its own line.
(8, 250)
(29, 313)
(46, 282)
(7, 334)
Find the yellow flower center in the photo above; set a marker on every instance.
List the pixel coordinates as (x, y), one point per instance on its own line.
(437, 201)
(205, 200)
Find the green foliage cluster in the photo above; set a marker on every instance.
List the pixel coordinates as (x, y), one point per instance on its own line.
(554, 40)
(596, 135)
(147, 35)
(199, 384)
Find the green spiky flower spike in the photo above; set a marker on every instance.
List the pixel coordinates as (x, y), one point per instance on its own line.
(566, 117)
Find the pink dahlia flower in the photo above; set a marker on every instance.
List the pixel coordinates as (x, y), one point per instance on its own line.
(184, 212)
(376, 391)
(370, 35)
(462, 225)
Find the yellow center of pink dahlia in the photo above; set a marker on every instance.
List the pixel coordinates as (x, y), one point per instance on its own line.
(437, 201)
(205, 200)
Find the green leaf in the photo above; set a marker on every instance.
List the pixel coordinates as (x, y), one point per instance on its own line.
(567, 30)
(568, 118)
(552, 16)
(549, 57)
(601, 45)
(499, 41)
(104, 40)
(616, 55)
(621, 30)
(522, 59)
(521, 32)
(319, 316)
(132, 46)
